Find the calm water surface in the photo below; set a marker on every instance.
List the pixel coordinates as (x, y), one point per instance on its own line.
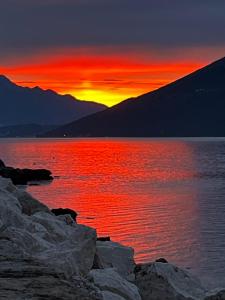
(165, 198)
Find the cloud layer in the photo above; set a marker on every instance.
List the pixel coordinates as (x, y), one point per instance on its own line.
(108, 50)
(34, 25)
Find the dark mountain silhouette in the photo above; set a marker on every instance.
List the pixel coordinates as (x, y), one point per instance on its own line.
(191, 106)
(21, 105)
(27, 130)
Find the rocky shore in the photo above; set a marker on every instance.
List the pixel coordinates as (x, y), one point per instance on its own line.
(49, 256)
(23, 176)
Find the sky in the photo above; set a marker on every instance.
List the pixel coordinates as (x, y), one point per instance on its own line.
(108, 50)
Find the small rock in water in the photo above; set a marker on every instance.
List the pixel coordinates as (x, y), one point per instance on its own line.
(103, 239)
(162, 260)
(64, 211)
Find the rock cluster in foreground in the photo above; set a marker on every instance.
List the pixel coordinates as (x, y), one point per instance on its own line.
(43, 256)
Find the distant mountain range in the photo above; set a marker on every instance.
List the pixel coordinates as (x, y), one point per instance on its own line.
(27, 130)
(22, 105)
(191, 106)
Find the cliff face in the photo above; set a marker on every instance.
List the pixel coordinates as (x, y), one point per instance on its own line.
(43, 256)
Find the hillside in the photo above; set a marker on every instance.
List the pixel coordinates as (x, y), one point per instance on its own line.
(191, 106)
(21, 105)
(27, 130)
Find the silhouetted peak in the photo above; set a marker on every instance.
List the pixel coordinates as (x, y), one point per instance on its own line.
(220, 61)
(219, 64)
(37, 88)
(4, 81)
(51, 92)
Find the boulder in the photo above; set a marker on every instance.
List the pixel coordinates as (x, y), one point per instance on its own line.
(65, 211)
(69, 249)
(15, 175)
(162, 260)
(2, 165)
(23, 277)
(111, 296)
(103, 238)
(23, 176)
(29, 205)
(37, 174)
(113, 286)
(161, 280)
(216, 295)
(114, 255)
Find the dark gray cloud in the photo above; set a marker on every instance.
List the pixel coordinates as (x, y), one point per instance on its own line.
(31, 25)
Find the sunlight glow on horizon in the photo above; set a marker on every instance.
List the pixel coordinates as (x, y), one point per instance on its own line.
(99, 96)
(107, 78)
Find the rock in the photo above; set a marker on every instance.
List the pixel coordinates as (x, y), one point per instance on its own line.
(24, 277)
(49, 239)
(113, 286)
(114, 255)
(15, 175)
(67, 219)
(111, 296)
(72, 248)
(103, 239)
(165, 281)
(37, 174)
(29, 205)
(23, 176)
(162, 260)
(2, 165)
(65, 211)
(216, 295)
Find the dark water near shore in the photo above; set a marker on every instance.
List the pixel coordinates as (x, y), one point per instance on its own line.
(165, 198)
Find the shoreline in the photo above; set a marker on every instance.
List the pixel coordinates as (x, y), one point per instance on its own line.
(34, 241)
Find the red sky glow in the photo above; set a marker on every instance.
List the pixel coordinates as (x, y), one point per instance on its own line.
(100, 74)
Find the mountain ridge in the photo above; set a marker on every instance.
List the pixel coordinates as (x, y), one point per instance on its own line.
(193, 105)
(24, 105)
(26, 130)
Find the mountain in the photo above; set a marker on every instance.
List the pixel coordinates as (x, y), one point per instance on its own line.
(27, 130)
(191, 106)
(22, 105)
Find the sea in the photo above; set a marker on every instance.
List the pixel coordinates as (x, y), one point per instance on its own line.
(163, 197)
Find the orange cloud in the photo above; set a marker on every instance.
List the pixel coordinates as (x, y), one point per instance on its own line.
(105, 77)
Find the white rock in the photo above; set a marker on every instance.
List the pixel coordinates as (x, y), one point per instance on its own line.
(66, 248)
(108, 280)
(23, 278)
(29, 204)
(111, 296)
(114, 255)
(165, 281)
(216, 295)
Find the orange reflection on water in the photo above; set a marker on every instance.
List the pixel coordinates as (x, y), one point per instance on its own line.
(136, 191)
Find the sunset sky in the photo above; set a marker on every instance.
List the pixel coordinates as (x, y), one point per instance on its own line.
(108, 50)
